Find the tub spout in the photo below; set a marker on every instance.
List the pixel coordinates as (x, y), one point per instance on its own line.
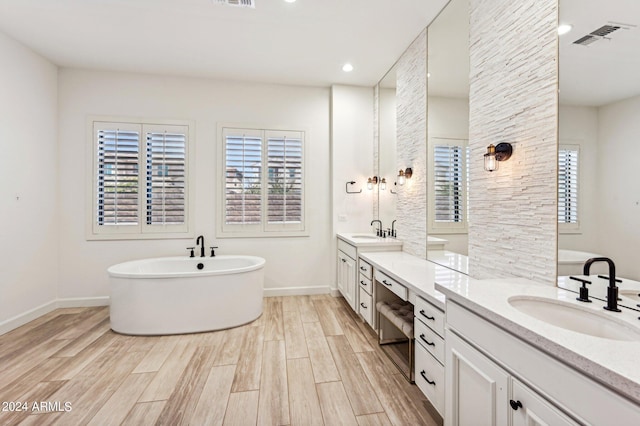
(200, 242)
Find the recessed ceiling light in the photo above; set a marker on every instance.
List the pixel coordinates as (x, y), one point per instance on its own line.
(290, 1)
(347, 67)
(564, 28)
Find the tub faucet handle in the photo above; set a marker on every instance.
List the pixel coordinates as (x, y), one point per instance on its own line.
(192, 253)
(213, 252)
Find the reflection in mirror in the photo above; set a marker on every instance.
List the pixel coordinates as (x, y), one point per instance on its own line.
(448, 130)
(599, 126)
(387, 147)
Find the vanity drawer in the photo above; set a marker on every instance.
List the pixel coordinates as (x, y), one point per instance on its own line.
(347, 249)
(430, 315)
(392, 285)
(429, 340)
(365, 309)
(429, 376)
(364, 268)
(365, 283)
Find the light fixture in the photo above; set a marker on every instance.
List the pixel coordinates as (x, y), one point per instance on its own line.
(383, 184)
(347, 67)
(372, 181)
(403, 175)
(290, 1)
(495, 154)
(564, 28)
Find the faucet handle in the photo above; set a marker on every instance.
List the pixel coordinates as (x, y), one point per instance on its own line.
(192, 253)
(213, 252)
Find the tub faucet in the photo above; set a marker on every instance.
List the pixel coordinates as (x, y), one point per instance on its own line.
(379, 230)
(612, 290)
(200, 241)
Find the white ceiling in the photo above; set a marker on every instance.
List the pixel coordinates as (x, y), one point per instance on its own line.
(301, 43)
(605, 71)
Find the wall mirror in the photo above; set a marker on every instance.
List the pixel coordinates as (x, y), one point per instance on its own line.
(448, 133)
(599, 131)
(386, 154)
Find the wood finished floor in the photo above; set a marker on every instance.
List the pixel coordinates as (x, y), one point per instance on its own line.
(308, 360)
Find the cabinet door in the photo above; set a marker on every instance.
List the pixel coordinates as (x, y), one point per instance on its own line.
(347, 278)
(530, 409)
(476, 388)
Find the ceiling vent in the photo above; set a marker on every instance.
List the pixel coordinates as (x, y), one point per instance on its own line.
(238, 3)
(601, 33)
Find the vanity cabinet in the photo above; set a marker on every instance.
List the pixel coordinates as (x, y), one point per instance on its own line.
(347, 278)
(494, 378)
(365, 304)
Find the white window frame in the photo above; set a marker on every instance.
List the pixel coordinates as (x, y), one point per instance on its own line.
(264, 229)
(436, 227)
(571, 228)
(140, 231)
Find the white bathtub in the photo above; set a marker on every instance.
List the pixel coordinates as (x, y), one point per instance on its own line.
(170, 295)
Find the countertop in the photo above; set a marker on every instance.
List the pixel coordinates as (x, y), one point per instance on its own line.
(457, 262)
(611, 362)
(418, 275)
(363, 239)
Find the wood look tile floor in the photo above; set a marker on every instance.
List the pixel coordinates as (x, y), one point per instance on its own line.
(308, 360)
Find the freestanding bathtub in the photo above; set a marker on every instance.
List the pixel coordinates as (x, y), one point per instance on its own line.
(175, 295)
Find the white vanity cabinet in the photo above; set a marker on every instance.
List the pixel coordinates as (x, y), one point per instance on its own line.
(347, 277)
(365, 304)
(494, 378)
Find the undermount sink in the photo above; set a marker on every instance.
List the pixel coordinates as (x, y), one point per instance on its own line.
(631, 294)
(575, 318)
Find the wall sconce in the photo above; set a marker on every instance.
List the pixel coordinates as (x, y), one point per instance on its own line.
(383, 184)
(404, 174)
(495, 154)
(372, 181)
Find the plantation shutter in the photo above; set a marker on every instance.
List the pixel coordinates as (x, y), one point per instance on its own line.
(568, 184)
(117, 175)
(166, 175)
(449, 183)
(243, 177)
(284, 180)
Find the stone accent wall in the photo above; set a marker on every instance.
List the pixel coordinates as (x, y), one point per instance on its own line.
(411, 97)
(513, 98)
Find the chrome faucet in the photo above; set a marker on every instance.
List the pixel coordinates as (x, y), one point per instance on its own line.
(612, 290)
(200, 241)
(379, 230)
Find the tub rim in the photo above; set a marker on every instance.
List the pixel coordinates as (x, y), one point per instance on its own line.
(113, 272)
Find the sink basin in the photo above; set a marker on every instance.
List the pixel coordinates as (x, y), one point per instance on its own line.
(631, 294)
(575, 318)
(365, 237)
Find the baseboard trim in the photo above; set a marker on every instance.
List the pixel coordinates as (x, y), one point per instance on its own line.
(296, 291)
(35, 313)
(20, 320)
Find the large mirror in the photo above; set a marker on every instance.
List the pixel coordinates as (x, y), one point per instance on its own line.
(448, 133)
(599, 131)
(387, 147)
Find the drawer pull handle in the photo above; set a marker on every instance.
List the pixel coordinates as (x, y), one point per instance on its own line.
(386, 283)
(515, 404)
(362, 268)
(344, 260)
(426, 341)
(363, 305)
(426, 316)
(424, 376)
(362, 282)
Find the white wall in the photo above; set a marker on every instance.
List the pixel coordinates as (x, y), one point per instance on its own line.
(352, 157)
(28, 171)
(293, 264)
(619, 185)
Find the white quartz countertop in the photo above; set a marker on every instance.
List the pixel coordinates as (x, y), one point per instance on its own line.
(418, 275)
(363, 239)
(611, 362)
(456, 261)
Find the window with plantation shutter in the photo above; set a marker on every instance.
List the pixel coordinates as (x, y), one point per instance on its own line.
(140, 180)
(263, 182)
(568, 157)
(449, 177)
